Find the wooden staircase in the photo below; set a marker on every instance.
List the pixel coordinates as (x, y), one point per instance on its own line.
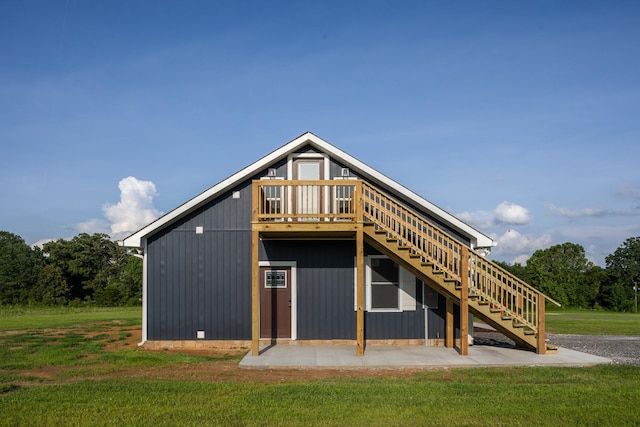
(492, 294)
(435, 256)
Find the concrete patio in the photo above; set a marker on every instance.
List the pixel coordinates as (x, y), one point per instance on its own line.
(408, 357)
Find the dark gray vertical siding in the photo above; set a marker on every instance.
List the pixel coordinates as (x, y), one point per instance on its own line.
(437, 319)
(403, 325)
(325, 280)
(203, 281)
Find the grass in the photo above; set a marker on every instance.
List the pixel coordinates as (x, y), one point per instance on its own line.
(604, 395)
(18, 318)
(84, 355)
(592, 322)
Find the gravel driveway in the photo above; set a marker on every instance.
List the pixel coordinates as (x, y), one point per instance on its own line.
(620, 349)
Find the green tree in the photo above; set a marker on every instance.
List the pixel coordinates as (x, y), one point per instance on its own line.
(19, 268)
(88, 262)
(623, 272)
(51, 287)
(125, 288)
(517, 269)
(565, 274)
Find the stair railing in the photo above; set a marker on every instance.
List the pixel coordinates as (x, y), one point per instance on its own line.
(486, 281)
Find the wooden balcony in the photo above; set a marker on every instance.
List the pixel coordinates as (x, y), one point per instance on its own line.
(282, 207)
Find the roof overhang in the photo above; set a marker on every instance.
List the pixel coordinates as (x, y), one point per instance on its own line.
(478, 239)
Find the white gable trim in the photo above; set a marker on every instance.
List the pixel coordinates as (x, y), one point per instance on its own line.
(478, 239)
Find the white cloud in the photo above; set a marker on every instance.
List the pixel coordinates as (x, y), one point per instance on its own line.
(586, 212)
(93, 226)
(516, 247)
(135, 208)
(506, 213)
(477, 219)
(510, 213)
(41, 242)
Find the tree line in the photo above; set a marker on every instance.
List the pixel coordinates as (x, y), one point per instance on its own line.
(564, 273)
(94, 269)
(86, 269)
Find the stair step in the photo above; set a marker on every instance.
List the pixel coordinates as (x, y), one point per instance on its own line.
(403, 248)
(368, 224)
(494, 310)
(484, 302)
(415, 256)
(517, 324)
(506, 317)
(427, 264)
(529, 331)
(380, 231)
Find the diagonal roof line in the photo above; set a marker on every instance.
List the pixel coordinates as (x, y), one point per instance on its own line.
(478, 239)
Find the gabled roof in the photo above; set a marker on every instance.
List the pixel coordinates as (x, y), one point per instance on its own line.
(478, 239)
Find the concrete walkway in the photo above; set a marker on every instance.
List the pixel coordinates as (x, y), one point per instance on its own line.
(408, 357)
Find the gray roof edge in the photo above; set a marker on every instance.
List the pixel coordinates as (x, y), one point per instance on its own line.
(479, 240)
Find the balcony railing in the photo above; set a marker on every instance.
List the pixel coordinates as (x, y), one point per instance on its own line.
(305, 201)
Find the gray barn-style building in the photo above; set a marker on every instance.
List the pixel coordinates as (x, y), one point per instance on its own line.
(308, 244)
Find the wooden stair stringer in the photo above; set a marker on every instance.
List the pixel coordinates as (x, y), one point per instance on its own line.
(448, 287)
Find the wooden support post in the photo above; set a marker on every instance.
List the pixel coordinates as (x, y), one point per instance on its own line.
(448, 340)
(541, 341)
(464, 302)
(360, 290)
(255, 293)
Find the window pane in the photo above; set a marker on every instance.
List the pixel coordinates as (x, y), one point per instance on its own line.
(384, 295)
(275, 279)
(383, 270)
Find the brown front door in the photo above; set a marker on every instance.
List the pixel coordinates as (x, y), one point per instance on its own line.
(275, 302)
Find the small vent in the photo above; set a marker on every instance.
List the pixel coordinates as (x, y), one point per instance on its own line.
(344, 172)
(272, 172)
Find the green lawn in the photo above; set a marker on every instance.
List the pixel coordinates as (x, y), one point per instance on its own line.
(592, 322)
(18, 318)
(74, 367)
(599, 396)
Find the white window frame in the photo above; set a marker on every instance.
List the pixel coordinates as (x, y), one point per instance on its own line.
(407, 288)
(369, 287)
(267, 273)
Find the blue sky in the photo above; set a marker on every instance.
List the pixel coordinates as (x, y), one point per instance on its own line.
(522, 118)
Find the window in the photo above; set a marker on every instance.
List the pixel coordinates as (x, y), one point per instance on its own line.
(388, 286)
(384, 287)
(272, 199)
(275, 279)
(343, 198)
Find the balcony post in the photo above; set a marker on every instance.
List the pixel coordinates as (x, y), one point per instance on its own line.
(541, 341)
(359, 268)
(360, 289)
(464, 301)
(448, 338)
(255, 293)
